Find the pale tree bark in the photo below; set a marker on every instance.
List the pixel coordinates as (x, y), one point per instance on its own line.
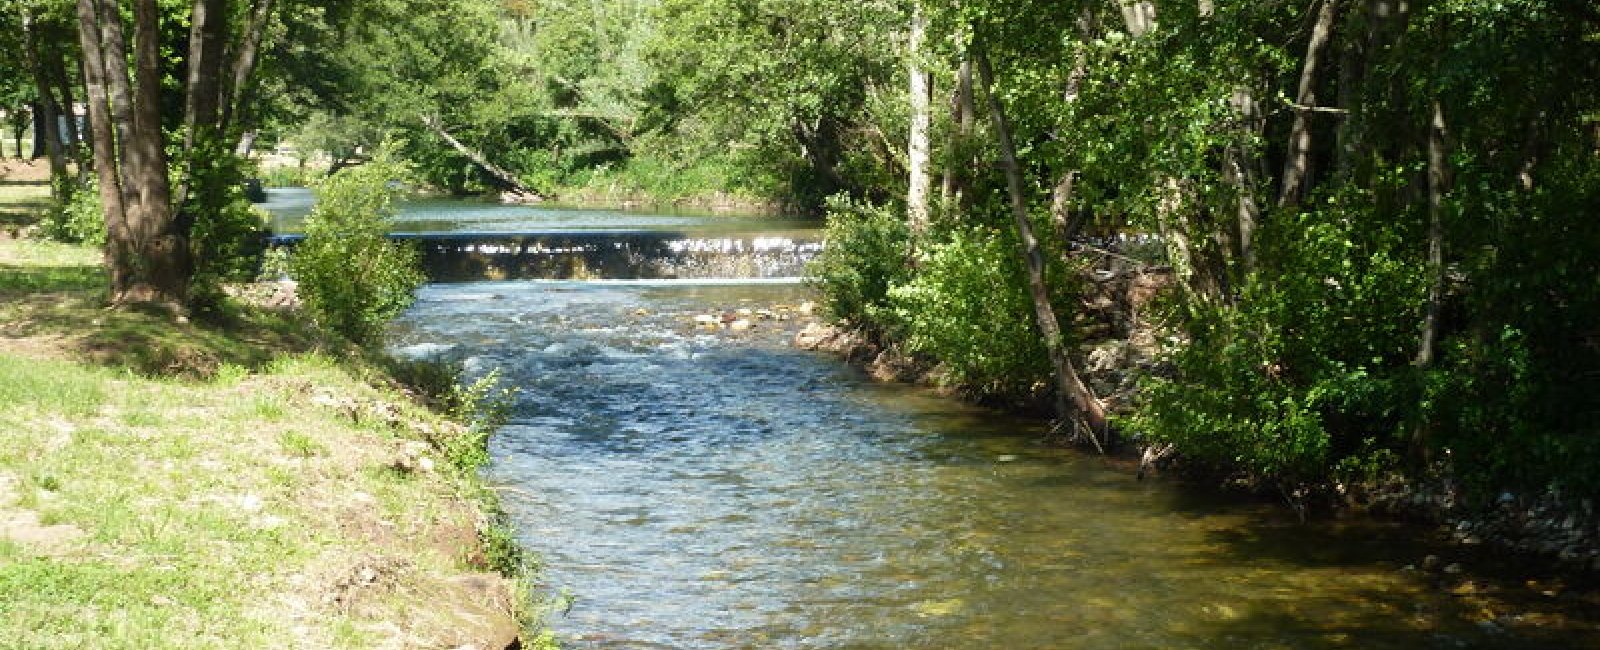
(1075, 401)
(1439, 183)
(505, 178)
(146, 252)
(1065, 223)
(918, 147)
(1139, 16)
(1297, 165)
(1171, 222)
(1239, 171)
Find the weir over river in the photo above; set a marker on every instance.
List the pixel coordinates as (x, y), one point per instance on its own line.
(694, 488)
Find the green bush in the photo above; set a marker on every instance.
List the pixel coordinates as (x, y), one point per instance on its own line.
(288, 176)
(228, 246)
(969, 310)
(482, 404)
(1310, 375)
(866, 254)
(352, 279)
(79, 221)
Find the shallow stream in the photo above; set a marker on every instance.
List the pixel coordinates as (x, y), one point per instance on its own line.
(689, 487)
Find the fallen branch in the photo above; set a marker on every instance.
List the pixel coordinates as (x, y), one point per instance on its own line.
(506, 178)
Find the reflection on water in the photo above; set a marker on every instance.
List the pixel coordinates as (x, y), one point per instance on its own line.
(703, 489)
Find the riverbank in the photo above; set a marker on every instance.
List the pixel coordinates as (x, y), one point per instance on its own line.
(1121, 345)
(241, 481)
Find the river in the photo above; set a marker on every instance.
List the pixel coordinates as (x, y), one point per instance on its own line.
(696, 488)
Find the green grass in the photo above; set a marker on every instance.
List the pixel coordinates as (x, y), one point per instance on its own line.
(22, 202)
(211, 484)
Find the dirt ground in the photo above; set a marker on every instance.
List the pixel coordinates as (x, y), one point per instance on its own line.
(25, 171)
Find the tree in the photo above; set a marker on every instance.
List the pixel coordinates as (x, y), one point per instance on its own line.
(147, 252)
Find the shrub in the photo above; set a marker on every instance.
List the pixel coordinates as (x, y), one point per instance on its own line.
(1310, 375)
(352, 279)
(228, 244)
(79, 221)
(968, 309)
(865, 256)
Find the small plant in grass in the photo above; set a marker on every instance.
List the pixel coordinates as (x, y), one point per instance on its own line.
(352, 279)
(482, 404)
(300, 445)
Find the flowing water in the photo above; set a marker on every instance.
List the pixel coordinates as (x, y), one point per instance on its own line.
(707, 488)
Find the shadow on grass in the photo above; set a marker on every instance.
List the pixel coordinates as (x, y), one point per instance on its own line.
(21, 202)
(17, 281)
(65, 307)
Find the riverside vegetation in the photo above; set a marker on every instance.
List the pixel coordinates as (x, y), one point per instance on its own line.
(242, 478)
(1377, 215)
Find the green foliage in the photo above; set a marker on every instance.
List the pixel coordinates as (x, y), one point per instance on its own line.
(288, 176)
(866, 254)
(1311, 371)
(1517, 401)
(481, 404)
(79, 221)
(968, 308)
(352, 279)
(484, 404)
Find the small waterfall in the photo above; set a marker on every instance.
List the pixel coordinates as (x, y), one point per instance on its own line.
(607, 255)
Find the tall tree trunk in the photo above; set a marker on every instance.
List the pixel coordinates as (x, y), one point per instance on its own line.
(237, 87)
(208, 25)
(965, 110)
(69, 114)
(1439, 182)
(48, 123)
(1066, 224)
(1297, 166)
(38, 111)
(918, 147)
(147, 256)
(1075, 402)
(1239, 165)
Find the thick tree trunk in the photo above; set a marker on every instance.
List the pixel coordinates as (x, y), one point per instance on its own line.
(504, 177)
(1297, 166)
(69, 115)
(918, 147)
(39, 112)
(147, 257)
(1075, 402)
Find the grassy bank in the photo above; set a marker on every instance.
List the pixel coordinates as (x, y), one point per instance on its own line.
(237, 483)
